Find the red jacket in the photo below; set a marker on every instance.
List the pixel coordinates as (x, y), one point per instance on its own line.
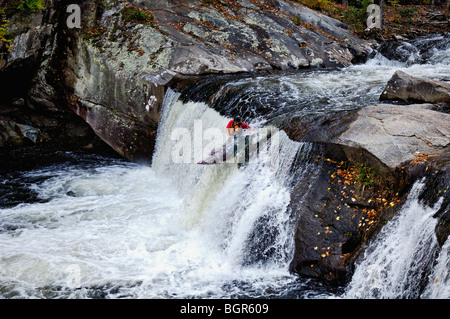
(243, 125)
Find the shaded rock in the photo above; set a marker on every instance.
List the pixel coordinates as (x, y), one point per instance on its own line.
(408, 88)
(325, 128)
(32, 39)
(414, 51)
(8, 134)
(120, 68)
(33, 100)
(392, 134)
(436, 169)
(337, 213)
(15, 134)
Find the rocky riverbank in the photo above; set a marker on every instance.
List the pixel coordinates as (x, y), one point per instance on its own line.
(113, 71)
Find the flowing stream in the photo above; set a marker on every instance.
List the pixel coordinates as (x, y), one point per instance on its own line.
(94, 227)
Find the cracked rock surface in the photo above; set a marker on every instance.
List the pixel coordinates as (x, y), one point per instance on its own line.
(397, 133)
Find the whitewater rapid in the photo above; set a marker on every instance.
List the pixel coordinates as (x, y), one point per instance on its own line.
(173, 230)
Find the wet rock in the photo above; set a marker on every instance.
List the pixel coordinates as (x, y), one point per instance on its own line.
(32, 39)
(120, 67)
(34, 108)
(391, 134)
(408, 88)
(435, 168)
(337, 213)
(414, 50)
(8, 134)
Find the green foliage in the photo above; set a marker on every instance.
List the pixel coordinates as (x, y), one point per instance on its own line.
(366, 174)
(5, 36)
(32, 5)
(136, 15)
(296, 20)
(11, 8)
(407, 13)
(395, 3)
(354, 15)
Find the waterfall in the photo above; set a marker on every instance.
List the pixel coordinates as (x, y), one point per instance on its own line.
(241, 208)
(398, 261)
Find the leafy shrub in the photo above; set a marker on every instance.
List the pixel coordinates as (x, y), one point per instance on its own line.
(5, 36)
(407, 13)
(32, 5)
(366, 174)
(136, 15)
(354, 15)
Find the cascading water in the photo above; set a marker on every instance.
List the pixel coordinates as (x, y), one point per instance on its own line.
(216, 231)
(278, 99)
(93, 227)
(395, 264)
(225, 202)
(439, 280)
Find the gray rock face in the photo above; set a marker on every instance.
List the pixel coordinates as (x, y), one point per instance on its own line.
(408, 88)
(113, 72)
(32, 39)
(392, 134)
(395, 134)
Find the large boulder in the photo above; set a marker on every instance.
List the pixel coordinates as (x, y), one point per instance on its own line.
(15, 134)
(398, 133)
(337, 212)
(391, 134)
(405, 87)
(369, 160)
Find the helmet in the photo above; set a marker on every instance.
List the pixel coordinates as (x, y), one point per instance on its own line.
(237, 119)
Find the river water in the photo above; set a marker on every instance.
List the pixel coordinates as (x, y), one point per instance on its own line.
(94, 227)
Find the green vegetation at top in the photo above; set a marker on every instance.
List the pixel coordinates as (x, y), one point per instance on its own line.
(9, 9)
(31, 5)
(5, 36)
(398, 14)
(352, 13)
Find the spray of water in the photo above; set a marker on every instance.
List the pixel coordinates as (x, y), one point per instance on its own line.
(395, 264)
(439, 281)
